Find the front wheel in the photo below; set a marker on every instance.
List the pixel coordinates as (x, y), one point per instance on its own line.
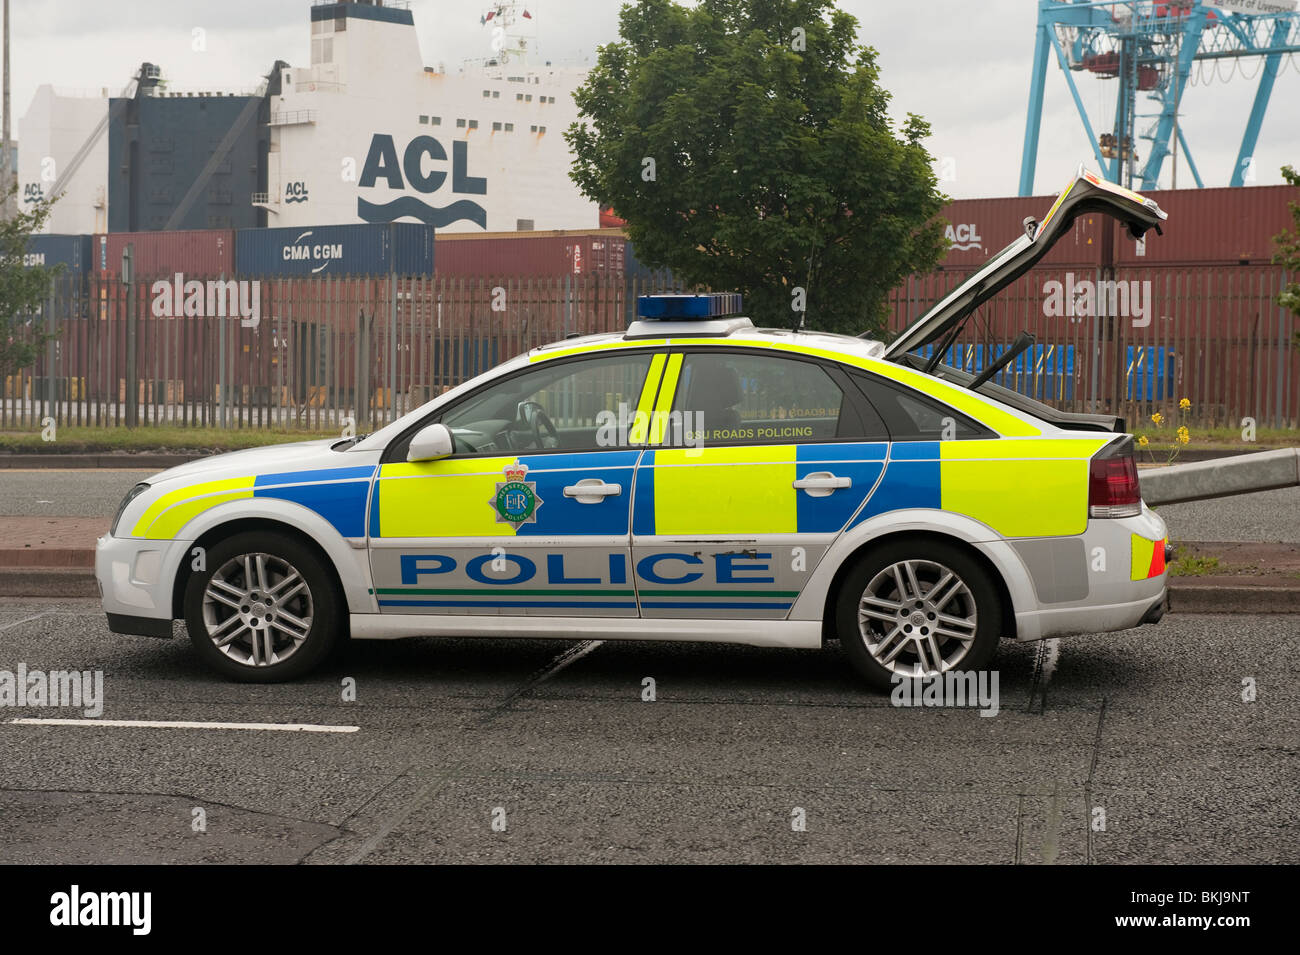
(912, 609)
(264, 609)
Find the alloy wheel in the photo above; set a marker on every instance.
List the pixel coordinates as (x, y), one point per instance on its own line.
(918, 618)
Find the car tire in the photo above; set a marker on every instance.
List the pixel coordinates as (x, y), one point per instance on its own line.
(264, 609)
(951, 619)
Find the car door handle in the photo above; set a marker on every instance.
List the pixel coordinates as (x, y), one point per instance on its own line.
(821, 483)
(592, 491)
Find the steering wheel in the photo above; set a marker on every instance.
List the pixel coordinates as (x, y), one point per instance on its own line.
(544, 429)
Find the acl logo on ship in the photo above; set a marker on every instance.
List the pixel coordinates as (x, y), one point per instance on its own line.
(417, 170)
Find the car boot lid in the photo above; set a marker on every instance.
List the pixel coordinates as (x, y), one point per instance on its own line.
(1087, 192)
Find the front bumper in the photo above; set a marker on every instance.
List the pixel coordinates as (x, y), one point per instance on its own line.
(135, 582)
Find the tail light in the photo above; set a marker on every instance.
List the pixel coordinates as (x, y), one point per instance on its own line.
(1113, 489)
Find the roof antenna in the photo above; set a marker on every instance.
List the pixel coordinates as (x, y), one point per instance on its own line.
(803, 312)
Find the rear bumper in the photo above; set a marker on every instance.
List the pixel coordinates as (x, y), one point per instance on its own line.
(1043, 623)
(1110, 589)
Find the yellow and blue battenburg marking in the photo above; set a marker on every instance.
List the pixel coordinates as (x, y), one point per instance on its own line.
(1049, 478)
(454, 497)
(750, 490)
(336, 494)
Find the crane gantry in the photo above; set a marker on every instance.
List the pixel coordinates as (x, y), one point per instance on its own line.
(1150, 47)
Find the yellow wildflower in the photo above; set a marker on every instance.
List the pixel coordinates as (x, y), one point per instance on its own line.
(1142, 441)
(1157, 418)
(1184, 436)
(1185, 404)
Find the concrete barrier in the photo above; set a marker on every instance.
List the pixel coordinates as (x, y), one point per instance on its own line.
(1223, 477)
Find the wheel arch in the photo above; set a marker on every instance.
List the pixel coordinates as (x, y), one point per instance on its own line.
(348, 566)
(993, 553)
(1007, 607)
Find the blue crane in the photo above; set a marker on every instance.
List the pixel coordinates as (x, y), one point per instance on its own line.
(1150, 46)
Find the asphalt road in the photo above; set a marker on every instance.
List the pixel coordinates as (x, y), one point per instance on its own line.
(1145, 727)
(66, 493)
(1269, 516)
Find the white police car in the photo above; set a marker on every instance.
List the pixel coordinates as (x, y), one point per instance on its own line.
(695, 478)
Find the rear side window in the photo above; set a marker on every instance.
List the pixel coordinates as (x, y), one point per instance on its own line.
(912, 416)
(733, 398)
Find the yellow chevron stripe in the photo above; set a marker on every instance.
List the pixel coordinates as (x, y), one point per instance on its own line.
(165, 517)
(659, 422)
(645, 405)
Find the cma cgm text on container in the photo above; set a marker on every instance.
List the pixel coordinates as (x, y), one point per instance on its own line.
(73, 252)
(396, 248)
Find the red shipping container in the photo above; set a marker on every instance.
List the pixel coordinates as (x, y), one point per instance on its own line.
(980, 228)
(530, 254)
(200, 253)
(1234, 226)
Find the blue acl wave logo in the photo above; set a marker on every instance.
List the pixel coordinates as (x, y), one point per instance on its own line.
(295, 191)
(382, 165)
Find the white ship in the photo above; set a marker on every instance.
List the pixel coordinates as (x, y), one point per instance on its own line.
(369, 133)
(366, 133)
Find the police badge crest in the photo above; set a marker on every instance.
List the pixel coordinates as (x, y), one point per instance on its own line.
(516, 501)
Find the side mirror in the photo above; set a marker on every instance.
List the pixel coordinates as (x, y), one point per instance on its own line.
(431, 443)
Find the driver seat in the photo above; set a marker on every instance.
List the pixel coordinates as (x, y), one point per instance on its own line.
(715, 396)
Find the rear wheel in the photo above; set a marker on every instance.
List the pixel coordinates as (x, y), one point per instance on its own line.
(265, 609)
(917, 608)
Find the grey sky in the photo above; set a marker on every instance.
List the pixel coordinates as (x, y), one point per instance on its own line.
(963, 65)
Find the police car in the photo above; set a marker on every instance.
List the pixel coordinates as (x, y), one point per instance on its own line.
(695, 478)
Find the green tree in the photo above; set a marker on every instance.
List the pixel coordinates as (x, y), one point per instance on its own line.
(1288, 253)
(23, 288)
(747, 143)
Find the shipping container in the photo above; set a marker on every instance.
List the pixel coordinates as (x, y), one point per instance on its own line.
(398, 248)
(1209, 333)
(1224, 226)
(532, 254)
(70, 251)
(204, 253)
(980, 228)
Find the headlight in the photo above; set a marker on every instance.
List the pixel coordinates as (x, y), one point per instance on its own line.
(131, 495)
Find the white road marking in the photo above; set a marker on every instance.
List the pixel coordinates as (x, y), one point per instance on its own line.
(10, 626)
(190, 725)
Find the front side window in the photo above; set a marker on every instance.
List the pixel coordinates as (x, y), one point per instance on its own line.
(732, 398)
(560, 406)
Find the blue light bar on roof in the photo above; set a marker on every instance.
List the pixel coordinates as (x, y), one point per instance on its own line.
(710, 305)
